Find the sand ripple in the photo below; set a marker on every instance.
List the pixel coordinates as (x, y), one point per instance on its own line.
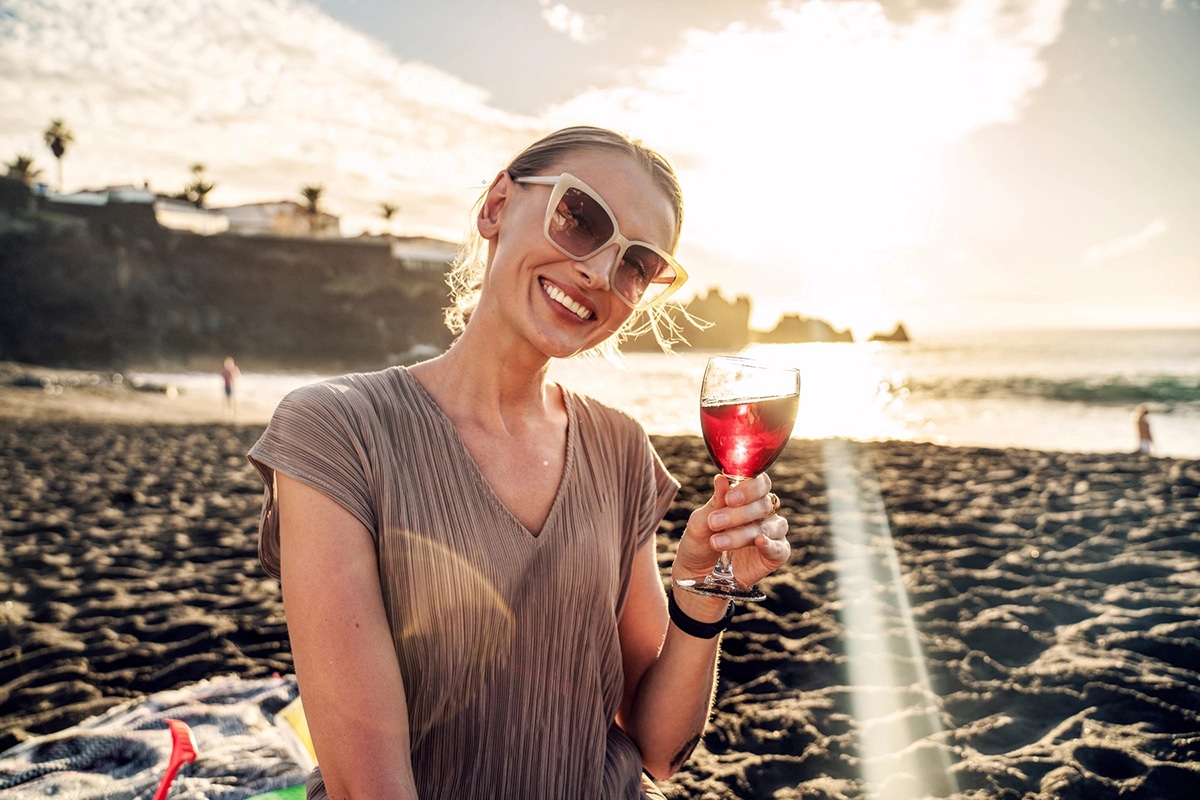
(956, 622)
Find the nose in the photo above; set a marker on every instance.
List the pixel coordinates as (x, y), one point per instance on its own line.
(598, 268)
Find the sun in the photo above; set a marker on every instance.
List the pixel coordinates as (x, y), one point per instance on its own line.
(814, 152)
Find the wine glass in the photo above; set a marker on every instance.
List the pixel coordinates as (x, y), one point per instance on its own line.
(747, 410)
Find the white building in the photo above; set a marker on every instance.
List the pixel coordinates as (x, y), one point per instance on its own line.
(102, 197)
(282, 218)
(419, 253)
(182, 215)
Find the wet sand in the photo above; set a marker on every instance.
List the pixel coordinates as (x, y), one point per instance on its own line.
(956, 622)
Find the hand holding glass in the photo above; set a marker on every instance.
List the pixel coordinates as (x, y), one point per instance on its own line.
(747, 411)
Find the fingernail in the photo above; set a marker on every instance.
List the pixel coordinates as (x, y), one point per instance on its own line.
(721, 542)
(717, 519)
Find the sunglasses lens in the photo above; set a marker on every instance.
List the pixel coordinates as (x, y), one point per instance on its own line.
(580, 225)
(642, 275)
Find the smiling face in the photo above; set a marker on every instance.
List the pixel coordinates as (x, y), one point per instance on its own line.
(561, 306)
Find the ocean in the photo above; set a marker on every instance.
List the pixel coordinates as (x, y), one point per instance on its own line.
(1048, 390)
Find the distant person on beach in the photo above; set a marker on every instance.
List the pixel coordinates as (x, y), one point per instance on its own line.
(467, 548)
(1141, 419)
(230, 374)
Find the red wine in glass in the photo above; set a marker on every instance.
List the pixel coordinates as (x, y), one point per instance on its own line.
(747, 410)
(745, 437)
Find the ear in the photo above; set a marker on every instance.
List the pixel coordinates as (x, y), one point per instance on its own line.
(493, 205)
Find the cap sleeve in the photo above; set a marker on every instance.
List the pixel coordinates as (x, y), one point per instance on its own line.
(316, 437)
(660, 490)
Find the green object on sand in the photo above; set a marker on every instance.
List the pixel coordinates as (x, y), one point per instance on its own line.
(290, 793)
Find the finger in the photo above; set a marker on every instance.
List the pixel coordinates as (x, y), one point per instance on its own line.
(775, 551)
(745, 535)
(721, 491)
(775, 527)
(774, 531)
(749, 490)
(724, 519)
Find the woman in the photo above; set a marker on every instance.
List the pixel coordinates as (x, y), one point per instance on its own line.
(466, 549)
(1141, 421)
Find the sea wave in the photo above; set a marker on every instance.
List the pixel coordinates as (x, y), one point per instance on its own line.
(1166, 391)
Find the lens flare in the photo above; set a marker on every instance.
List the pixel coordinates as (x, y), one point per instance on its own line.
(902, 745)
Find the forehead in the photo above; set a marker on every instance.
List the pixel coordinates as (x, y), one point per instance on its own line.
(643, 209)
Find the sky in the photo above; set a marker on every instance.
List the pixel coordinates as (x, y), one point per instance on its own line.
(951, 164)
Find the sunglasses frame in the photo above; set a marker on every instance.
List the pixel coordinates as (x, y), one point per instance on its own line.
(566, 181)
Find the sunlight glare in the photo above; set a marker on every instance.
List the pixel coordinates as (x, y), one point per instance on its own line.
(842, 392)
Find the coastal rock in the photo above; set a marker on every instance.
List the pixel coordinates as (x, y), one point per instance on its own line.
(898, 334)
(797, 329)
(719, 324)
(725, 325)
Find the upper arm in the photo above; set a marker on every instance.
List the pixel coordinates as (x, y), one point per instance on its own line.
(643, 623)
(346, 664)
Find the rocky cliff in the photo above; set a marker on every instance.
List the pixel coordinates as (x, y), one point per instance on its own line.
(728, 327)
(118, 291)
(793, 328)
(898, 334)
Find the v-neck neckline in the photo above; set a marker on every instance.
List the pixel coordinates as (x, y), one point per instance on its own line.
(481, 479)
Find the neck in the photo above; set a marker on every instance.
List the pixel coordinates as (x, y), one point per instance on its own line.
(484, 384)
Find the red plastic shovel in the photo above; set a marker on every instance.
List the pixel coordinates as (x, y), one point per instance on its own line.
(183, 749)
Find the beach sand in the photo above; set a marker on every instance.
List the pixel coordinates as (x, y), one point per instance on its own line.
(955, 622)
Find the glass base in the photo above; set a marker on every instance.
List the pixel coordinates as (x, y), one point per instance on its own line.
(714, 587)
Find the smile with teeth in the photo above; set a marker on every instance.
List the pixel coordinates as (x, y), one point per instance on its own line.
(556, 294)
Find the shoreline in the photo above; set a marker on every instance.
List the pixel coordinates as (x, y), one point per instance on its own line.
(36, 393)
(1044, 643)
(32, 393)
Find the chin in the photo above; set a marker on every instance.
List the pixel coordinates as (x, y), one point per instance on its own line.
(570, 349)
(564, 351)
(562, 344)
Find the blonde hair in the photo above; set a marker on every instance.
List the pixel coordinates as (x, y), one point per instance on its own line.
(466, 274)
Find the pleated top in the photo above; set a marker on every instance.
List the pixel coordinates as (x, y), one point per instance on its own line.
(507, 640)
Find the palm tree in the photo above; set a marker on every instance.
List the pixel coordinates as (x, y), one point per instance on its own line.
(199, 188)
(312, 196)
(387, 211)
(22, 169)
(58, 138)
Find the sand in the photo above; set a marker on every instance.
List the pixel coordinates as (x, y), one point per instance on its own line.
(959, 623)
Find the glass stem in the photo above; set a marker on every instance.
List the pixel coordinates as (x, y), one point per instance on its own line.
(723, 572)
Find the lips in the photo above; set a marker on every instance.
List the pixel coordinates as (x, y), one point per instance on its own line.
(560, 297)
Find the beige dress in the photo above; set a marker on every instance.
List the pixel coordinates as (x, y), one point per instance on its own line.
(507, 640)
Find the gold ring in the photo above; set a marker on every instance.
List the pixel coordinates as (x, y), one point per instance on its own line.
(774, 498)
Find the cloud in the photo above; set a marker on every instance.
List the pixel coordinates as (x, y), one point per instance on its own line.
(269, 94)
(578, 27)
(816, 143)
(1124, 245)
(810, 144)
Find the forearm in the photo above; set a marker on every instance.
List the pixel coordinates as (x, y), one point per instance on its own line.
(675, 695)
(359, 731)
(670, 680)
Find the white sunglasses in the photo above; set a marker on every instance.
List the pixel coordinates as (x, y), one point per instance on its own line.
(580, 224)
